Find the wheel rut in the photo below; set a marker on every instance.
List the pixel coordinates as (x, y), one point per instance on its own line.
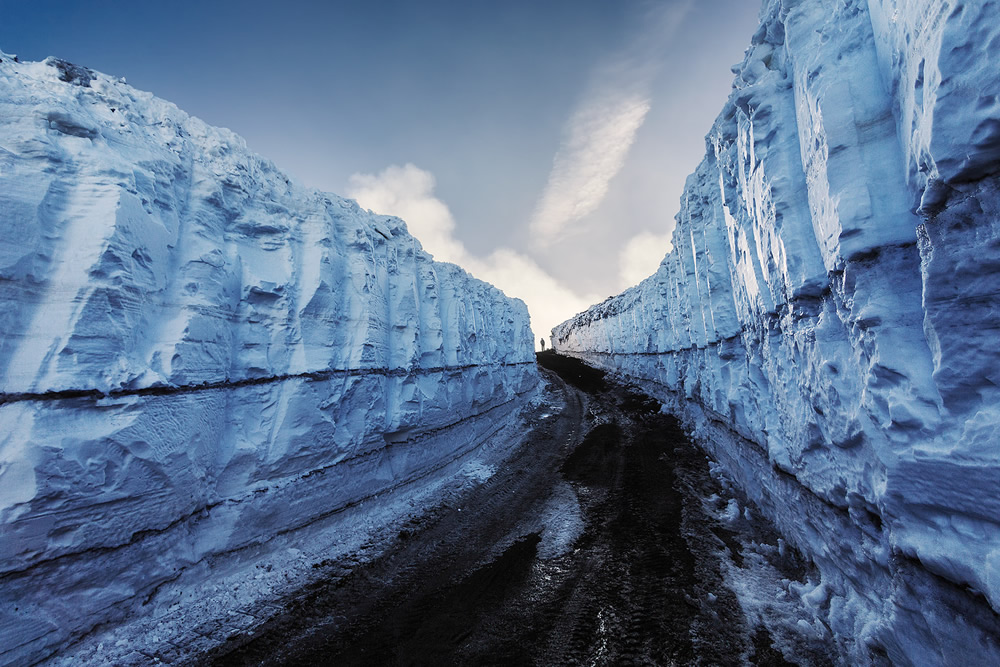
(469, 584)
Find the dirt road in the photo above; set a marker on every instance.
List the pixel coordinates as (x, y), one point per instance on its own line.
(595, 544)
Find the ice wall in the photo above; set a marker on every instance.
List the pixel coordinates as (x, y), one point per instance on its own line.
(199, 356)
(828, 317)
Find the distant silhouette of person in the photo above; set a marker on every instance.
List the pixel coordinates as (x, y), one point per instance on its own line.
(542, 341)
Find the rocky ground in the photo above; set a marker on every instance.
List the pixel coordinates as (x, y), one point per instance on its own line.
(602, 541)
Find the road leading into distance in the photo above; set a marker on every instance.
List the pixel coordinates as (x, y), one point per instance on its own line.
(495, 576)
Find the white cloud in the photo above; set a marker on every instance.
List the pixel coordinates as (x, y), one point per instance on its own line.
(598, 139)
(641, 256)
(602, 129)
(549, 301)
(408, 192)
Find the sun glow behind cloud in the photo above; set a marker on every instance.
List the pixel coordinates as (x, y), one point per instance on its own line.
(408, 192)
(641, 256)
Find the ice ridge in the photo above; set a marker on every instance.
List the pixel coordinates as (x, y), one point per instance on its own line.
(827, 318)
(206, 368)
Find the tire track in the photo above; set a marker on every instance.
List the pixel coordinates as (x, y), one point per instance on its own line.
(465, 585)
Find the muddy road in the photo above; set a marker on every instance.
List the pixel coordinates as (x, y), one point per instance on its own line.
(595, 544)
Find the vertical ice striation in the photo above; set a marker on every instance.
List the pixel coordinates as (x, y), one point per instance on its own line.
(828, 319)
(201, 360)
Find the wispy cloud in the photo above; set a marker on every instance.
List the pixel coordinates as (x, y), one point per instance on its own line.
(408, 192)
(598, 139)
(603, 127)
(596, 142)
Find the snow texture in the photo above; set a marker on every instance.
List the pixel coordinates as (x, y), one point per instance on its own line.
(203, 363)
(828, 318)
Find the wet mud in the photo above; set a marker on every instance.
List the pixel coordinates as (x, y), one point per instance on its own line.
(466, 585)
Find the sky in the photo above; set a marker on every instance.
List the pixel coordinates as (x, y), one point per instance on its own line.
(542, 146)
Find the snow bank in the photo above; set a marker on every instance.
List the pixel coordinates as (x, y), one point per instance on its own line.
(827, 320)
(200, 358)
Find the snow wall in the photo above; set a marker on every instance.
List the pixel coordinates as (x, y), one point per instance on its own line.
(828, 319)
(203, 362)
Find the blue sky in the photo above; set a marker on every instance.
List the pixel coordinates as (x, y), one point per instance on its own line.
(542, 145)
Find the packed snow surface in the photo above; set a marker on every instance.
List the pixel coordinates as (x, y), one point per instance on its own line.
(203, 363)
(828, 317)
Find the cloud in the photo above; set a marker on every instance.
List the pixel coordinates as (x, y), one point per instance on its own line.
(641, 256)
(549, 301)
(598, 139)
(603, 127)
(408, 192)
